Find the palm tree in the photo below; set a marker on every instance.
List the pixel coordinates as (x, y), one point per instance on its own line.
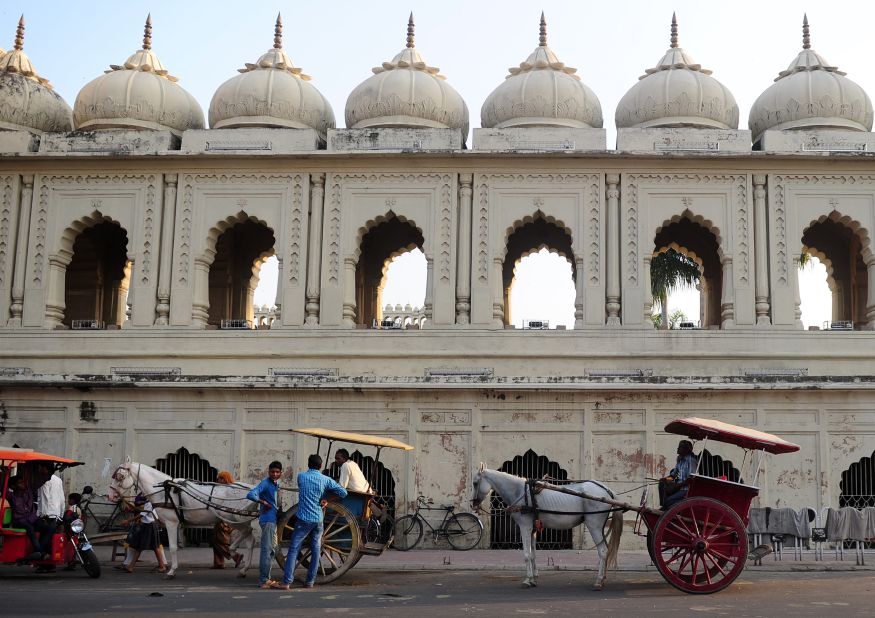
(669, 271)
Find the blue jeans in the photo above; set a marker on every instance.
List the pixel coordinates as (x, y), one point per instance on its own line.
(302, 529)
(268, 550)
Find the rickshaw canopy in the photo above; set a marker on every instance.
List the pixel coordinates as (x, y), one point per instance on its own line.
(701, 428)
(354, 438)
(10, 456)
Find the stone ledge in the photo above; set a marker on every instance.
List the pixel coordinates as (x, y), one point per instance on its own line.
(250, 141)
(392, 139)
(817, 142)
(109, 141)
(18, 141)
(684, 140)
(540, 139)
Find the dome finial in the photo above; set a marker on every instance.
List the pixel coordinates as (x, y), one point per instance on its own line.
(542, 40)
(147, 33)
(806, 37)
(19, 34)
(410, 27)
(674, 31)
(278, 32)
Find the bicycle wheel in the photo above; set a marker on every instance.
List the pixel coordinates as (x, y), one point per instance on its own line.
(464, 531)
(372, 531)
(408, 532)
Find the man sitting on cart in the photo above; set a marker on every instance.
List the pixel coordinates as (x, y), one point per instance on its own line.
(673, 488)
(351, 476)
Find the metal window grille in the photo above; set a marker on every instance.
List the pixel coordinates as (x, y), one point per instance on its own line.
(857, 488)
(183, 464)
(86, 325)
(503, 533)
(715, 466)
(235, 324)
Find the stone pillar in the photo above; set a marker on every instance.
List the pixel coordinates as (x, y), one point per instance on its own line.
(870, 295)
(463, 253)
(727, 299)
(761, 278)
(278, 299)
(21, 252)
(200, 304)
(428, 304)
(55, 305)
(348, 316)
(165, 258)
(497, 293)
(579, 293)
(612, 251)
(314, 249)
(797, 301)
(648, 293)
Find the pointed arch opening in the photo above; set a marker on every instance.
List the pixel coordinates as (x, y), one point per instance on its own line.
(842, 248)
(385, 243)
(240, 251)
(687, 254)
(539, 276)
(97, 278)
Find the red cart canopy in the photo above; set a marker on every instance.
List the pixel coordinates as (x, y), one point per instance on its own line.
(23, 455)
(700, 428)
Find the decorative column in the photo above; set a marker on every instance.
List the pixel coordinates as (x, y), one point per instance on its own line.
(648, 293)
(348, 316)
(278, 299)
(55, 305)
(463, 253)
(612, 251)
(579, 292)
(428, 303)
(797, 300)
(761, 277)
(727, 300)
(21, 252)
(314, 248)
(870, 295)
(200, 304)
(497, 293)
(165, 258)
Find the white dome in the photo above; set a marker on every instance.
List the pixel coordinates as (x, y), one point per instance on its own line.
(811, 94)
(677, 92)
(406, 92)
(544, 92)
(271, 93)
(27, 101)
(137, 95)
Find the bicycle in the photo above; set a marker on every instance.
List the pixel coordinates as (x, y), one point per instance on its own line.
(116, 521)
(462, 530)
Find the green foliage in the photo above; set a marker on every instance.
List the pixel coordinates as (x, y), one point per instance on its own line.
(669, 271)
(676, 316)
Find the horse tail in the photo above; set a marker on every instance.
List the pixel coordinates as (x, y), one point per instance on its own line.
(615, 532)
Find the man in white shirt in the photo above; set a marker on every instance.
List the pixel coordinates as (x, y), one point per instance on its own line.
(51, 495)
(351, 477)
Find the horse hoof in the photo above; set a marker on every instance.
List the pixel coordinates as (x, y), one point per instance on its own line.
(598, 587)
(528, 585)
(169, 575)
(241, 575)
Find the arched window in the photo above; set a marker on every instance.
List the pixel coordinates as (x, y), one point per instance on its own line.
(234, 273)
(97, 278)
(696, 245)
(539, 275)
(379, 247)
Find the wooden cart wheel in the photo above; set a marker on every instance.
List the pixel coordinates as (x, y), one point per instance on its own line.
(700, 545)
(341, 542)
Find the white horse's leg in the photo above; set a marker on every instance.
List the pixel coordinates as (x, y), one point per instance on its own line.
(525, 526)
(172, 525)
(247, 541)
(595, 525)
(534, 545)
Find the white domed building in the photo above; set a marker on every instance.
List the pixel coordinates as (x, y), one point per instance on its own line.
(272, 93)
(811, 94)
(406, 92)
(27, 101)
(542, 92)
(138, 95)
(677, 92)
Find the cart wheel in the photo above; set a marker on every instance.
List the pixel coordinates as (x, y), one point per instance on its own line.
(650, 547)
(341, 542)
(699, 545)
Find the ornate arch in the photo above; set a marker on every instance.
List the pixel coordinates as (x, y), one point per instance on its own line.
(689, 253)
(72, 232)
(370, 224)
(855, 226)
(688, 214)
(223, 225)
(528, 219)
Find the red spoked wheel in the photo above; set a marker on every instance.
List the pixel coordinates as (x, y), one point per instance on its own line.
(700, 545)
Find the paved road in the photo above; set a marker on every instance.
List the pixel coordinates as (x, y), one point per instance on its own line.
(441, 594)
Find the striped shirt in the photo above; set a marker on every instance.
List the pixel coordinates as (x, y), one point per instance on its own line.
(312, 485)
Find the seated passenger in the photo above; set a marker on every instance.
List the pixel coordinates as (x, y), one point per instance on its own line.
(24, 513)
(673, 488)
(351, 477)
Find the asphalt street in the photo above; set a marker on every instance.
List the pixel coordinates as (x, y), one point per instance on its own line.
(424, 594)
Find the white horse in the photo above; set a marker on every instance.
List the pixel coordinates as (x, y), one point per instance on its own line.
(201, 505)
(552, 509)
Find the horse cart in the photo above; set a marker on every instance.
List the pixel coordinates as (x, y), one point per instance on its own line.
(700, 544)
(352, 525)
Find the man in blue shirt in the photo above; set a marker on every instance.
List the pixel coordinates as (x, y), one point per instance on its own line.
(312, 485)
(266, 495)
(673, 488)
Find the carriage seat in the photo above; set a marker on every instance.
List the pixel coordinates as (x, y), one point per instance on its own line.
(7, 523)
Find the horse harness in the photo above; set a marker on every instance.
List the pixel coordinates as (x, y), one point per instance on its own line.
(530, 503)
